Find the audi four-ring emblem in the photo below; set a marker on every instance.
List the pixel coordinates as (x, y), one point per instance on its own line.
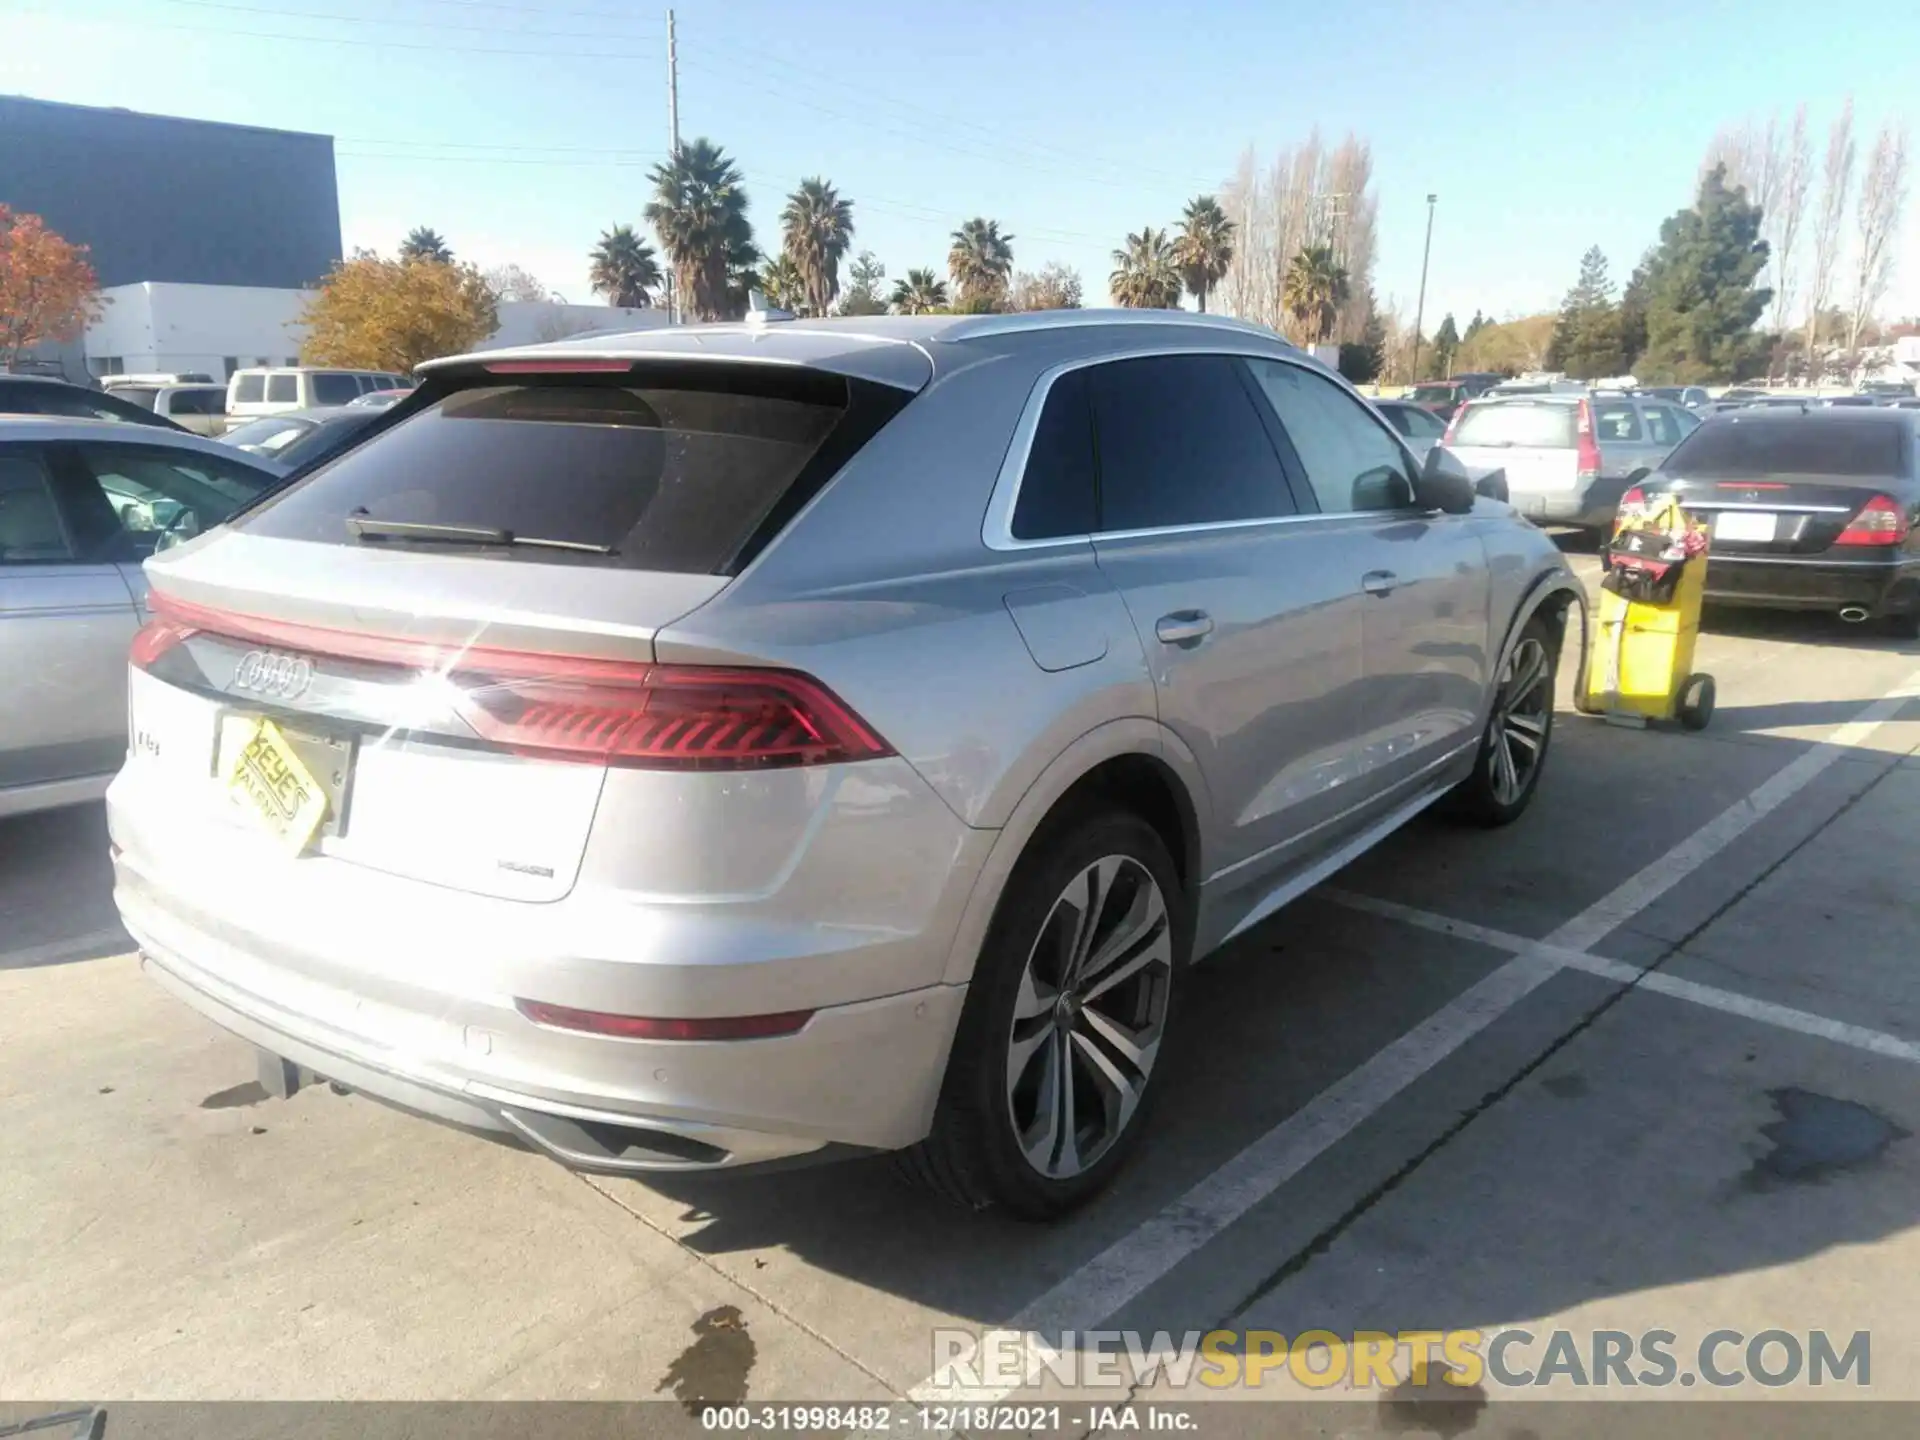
(282, 677)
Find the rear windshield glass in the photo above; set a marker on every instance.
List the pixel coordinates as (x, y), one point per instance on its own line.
(1789, 445)
(1427, 394)
(1506, 425)
(669, 478)
(135, 395)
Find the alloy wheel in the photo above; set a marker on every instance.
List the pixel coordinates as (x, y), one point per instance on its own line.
(1521, 713)
(1089, 1016)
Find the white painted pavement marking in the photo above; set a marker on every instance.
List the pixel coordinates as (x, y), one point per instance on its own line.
(1713, 997)
(1135, 1261)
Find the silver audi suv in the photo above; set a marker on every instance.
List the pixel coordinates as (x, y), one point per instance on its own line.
(719, 745)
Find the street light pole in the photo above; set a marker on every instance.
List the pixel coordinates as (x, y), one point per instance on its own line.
(673, 146)
(1420, 310)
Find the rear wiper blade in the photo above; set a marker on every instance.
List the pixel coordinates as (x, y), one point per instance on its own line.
(365, 527)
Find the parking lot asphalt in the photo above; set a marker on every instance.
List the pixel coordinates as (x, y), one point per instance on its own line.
(1644, 1060)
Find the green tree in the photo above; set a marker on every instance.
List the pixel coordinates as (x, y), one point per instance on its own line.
(1702, 292)
(1586, 337)
(624, 268)
(1446, 340)
(784, 284)
(1476, 325)
(864, 278)
(1313, 291)
(699, 211)
(1146, 272)
(980, 260)
(921, 293)
(1204, 247)
(816, 228)
(743, 275)
(424, 244)
(1633, 314)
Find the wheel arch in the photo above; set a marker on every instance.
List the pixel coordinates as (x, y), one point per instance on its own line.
(1555, 591)
(1139, 762)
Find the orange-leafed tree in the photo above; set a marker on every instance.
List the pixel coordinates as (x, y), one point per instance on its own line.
(377, 314)
(48, 291)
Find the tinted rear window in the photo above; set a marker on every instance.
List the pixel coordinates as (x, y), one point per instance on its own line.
(673, 477)
(250, 389)
(335, 389)
(136, 395)
(1509, 424)
(283, 389)
(1057, 494)
(1790, 445)
(1431, 394)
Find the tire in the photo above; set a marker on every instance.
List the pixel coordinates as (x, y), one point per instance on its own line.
(1016, 1026)
(1506, 775)
(1696, 702)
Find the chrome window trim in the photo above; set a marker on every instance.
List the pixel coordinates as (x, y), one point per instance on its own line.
(996, 530)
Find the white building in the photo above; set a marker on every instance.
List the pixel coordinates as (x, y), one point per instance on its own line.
(217, 329)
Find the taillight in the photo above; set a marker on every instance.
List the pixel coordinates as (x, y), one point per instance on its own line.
(643, 1027)
(1588, 462)
(567, 707)
(1881, 521)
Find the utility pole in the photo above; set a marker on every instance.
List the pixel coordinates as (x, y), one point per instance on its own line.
(1420, 309)
(673, 147)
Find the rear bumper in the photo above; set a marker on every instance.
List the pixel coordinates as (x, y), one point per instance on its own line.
(1590, 506)
(1882, 585)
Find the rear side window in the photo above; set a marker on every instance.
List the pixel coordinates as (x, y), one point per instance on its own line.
(1181, 443)
(675, 474)
(1662, 427)
(283, 389)
(1057, 495)
(1516, 424)
(250, 390)
(333, 389)
(1759, 444)
(1617, 421)
(30, 528)
(139, 395)
(199, 402)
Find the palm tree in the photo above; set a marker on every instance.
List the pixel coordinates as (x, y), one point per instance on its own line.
(1204, 247)
(699, 211)
(783, 283)
(425, 244)
(921, 293)
(1314, 290)
(743, 275)
(817, 227)
(981, 260)
(1147, 276)
(624, 268)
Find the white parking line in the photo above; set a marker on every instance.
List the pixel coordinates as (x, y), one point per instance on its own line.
(57, 951)
(1729, 1002)
(1127, 1267)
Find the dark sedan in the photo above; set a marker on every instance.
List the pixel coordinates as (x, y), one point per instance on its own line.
(294, 439)
(1810, 509)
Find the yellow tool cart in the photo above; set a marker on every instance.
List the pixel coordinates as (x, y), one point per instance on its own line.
(1642, 668)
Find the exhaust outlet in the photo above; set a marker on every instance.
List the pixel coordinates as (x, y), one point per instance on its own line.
(1853, 614)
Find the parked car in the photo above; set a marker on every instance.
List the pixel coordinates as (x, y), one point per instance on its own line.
(156, 378)
(82, 503)
(378, 399)
(199, 408)
(1443, 397)
(1810, 509)
(1567, 457)
(1889, 389)
(39, 395)
(1420, 427)
(271, 390)
(607, 726)
(1739, 395)
(300, 437)
(1692, 397)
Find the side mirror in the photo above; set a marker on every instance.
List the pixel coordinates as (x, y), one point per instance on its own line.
(1444, 484)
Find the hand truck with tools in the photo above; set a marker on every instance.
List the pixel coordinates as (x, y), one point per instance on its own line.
(1650, 596)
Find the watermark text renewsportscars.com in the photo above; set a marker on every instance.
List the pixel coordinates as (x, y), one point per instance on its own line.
(1514, 1358)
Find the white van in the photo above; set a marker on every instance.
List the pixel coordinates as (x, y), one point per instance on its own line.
(199, 408)
(270, 389)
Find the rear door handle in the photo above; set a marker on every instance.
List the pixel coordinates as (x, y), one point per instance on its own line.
(1183, 627)
(1379, 582)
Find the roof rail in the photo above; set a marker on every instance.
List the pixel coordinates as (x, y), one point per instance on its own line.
(978, 326)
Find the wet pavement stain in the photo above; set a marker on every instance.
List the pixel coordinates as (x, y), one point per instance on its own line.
(713, 1370)
(1817, 1136)
(1565, 1087)
(1437, 1407)
(235, 1096)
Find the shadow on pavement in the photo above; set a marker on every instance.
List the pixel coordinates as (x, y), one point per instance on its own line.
(56, 889)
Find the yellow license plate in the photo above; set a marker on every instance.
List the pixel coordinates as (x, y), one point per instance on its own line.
(267, 780)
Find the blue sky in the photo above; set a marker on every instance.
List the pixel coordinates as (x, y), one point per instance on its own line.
(521, 129)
